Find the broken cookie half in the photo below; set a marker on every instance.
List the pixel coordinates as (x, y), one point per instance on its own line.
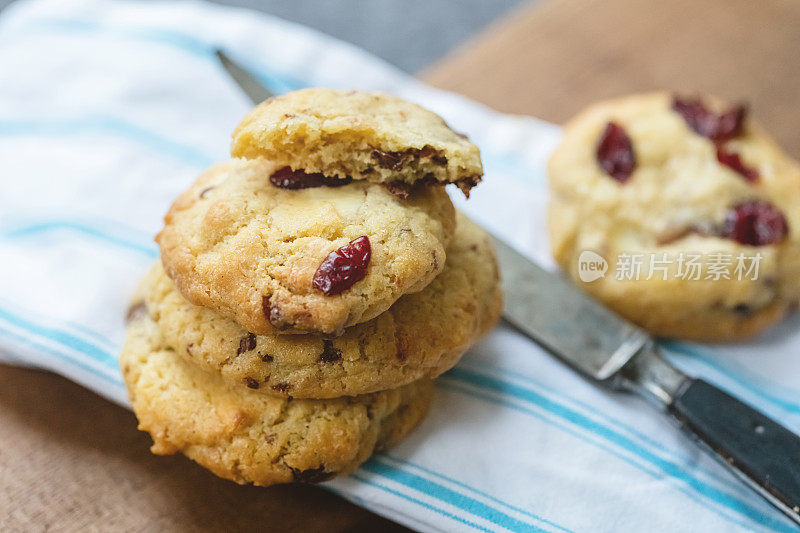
(358, 135)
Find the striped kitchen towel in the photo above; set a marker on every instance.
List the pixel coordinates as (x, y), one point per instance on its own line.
(109, 108)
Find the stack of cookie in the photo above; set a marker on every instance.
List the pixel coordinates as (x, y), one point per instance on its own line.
(309, 290)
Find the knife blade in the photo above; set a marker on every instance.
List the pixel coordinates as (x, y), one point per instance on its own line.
(575, 328)
(607, 349)
(256, 91)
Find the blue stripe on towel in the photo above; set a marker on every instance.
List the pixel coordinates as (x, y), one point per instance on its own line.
(449, 496)
(59, 336)
(106, 125)
(22, 316)
(145, 247)
(453, 386)
(608, 435)
(407, 463)
(416, 501)
(57, 353)
(278, 82)
(592, 412)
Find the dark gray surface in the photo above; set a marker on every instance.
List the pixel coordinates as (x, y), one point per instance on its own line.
(408, 33)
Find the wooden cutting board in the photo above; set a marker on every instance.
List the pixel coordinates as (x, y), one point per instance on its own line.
(72, 461)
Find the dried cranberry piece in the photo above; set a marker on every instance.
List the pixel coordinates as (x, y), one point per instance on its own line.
(329, 181)
(705, 122)
(343, 267)
(731, 123)
(755, 223)
(286, 178)
(734, 161)
(615, 153)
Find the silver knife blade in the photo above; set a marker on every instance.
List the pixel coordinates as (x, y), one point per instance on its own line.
(542, 305)
(563, 319)
(249, 84)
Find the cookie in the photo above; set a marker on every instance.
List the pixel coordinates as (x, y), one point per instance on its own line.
(420, 336)
(364, 136)
(277, 259)
(249, 437)
(661, 181)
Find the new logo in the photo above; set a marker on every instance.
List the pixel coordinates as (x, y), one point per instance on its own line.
(591, 266)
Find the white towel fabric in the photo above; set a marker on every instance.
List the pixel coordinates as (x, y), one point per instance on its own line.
(109, 109)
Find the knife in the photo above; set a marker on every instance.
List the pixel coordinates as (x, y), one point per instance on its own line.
(608, 350)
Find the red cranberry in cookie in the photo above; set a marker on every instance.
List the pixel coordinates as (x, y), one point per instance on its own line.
(344, 267)
(615, 153)
(286, 178)
(755, 223)
(734, 161)
(718, 127)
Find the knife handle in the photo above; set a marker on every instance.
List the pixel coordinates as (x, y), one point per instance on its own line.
(757, 449)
